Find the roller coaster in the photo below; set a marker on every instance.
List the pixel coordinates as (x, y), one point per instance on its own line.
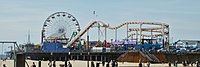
(66, 30)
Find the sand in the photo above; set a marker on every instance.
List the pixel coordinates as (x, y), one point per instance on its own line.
(79, 63)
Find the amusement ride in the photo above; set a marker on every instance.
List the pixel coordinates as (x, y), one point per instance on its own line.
(63, 28)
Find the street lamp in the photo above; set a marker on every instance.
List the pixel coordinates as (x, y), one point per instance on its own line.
(69, 54)
(88, 58)
(51, 55)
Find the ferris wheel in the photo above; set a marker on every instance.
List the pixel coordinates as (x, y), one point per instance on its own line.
(60, 25)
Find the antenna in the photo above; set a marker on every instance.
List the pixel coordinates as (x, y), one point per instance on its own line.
(29, 38)
(95, 16)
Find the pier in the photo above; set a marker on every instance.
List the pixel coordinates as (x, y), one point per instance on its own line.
(107, 56)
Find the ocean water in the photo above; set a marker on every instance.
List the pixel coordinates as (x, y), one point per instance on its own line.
(3, 56)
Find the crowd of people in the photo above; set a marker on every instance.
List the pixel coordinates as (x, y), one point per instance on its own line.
(113, 64)
(50, 64)
(54, 64)
(175, 64)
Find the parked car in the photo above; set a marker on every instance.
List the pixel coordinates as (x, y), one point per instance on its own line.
(182, 50)
(172, 49)
(196, 50)
(162, 50)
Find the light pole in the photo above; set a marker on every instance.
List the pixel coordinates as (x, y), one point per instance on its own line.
(51, 55)
(88, 58)
(69, 55)
(88, 49)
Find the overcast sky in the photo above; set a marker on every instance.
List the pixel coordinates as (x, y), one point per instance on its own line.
(19, 16)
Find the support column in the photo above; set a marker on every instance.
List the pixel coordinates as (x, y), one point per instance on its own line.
(71, 57)
(105, 58)
(77, 57)
(127, 33)
(39, 63)
(105, 37)
(66, 59)
(140, 32)
(101, 58)
(115, 34)
(96, 57)
(88, 51)
(88, 42)
(151, 37)
(20, 60)
(42, 35)
(168, 36)
(99, 37)
(163, 36)
(136, 37)
(15, 58)
(88, 59)
(83, 57)
(91, 57)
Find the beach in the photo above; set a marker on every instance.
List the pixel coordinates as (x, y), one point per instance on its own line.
(79, 63)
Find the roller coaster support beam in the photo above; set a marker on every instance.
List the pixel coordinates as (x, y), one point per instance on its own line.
(140, 31)
(127, 33)
(136, 37)
(163, 37)
(98, 25)
(168, 37)
(115, 34)
(105, 36)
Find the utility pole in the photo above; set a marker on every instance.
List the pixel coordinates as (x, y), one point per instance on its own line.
(88, 49)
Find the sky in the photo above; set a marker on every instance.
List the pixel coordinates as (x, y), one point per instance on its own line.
(17, 17)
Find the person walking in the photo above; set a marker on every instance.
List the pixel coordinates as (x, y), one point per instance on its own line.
(184, 64)
(169, 64)
(92, 64)
(4, 65)
(140, 63)
(116, 64)
(191, 63)
(69, 64)
(148, 64)
(107, 65)
(54, 63)
(197, 64)
(103, 63)
(49, 64)
(33, 65)
(113, 63)
(176, 64)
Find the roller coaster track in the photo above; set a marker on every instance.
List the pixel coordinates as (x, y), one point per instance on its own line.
(150, 23)
(81, 34)
(144, 35)
(102, 24)
(145, 29)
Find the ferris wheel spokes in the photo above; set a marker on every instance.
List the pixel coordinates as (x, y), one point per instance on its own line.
(59, 26)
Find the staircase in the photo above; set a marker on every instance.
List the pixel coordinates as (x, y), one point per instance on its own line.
(121, 56)
(149, 56)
